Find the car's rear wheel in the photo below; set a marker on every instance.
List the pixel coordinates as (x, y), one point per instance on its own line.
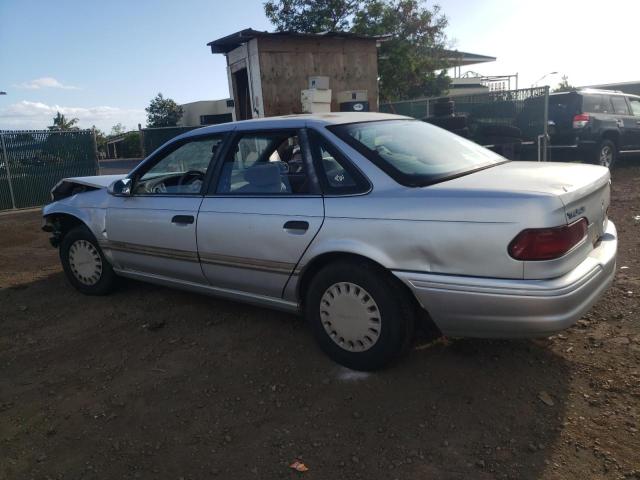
(360, 315)
(84, 264)
(605, 154)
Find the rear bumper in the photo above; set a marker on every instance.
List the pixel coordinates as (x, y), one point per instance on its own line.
(486, 307)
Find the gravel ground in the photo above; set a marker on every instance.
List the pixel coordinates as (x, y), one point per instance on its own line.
(155, 383)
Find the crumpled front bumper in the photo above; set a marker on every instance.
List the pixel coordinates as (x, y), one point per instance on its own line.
(501, 308)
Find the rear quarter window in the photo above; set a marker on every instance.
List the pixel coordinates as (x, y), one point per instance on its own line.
(596, 104)
(635, 106)
(620, 105)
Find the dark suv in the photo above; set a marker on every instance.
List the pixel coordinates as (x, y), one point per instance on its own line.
(598, 124)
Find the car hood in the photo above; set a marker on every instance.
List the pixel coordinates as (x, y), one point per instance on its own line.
(69, 186)
(98, 181)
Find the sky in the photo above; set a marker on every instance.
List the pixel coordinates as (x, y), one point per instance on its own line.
(103, 61)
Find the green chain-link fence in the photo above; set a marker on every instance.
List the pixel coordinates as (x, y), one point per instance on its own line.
(33, 161)
(513, 118)
(152, 138)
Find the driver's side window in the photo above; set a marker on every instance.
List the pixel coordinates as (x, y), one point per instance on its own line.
(182, 171)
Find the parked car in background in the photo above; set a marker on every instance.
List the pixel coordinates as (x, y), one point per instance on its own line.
(366, 223)
(597, 125)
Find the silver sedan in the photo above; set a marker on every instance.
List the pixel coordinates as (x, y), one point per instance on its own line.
(368, 224)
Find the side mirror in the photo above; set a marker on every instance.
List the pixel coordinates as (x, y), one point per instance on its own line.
(121, 188)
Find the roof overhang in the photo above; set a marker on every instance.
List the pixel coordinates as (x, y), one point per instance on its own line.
(230, 42)
(462, 59)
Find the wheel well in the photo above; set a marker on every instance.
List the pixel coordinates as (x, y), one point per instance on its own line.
(59, 224)
(612, 135)
(321, 261)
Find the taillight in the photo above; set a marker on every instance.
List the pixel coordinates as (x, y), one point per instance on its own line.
(547, 243)
(580, 120)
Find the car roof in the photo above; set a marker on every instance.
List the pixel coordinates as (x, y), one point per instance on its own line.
(296, 121)
(596, 91)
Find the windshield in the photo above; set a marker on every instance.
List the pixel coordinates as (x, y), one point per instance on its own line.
(415, 153)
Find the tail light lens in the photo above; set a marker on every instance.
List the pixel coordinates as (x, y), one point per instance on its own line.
(581, 120)
(548, 243)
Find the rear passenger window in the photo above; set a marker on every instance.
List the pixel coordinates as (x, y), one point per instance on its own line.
(265, 163)
(635, 106)
(620, 105)
(596, 104)
(335, 173)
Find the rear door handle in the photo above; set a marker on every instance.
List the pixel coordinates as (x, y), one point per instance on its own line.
(183, 219)
(296, 225)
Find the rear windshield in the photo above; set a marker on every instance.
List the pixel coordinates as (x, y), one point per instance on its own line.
(565, 104)
(415, 153)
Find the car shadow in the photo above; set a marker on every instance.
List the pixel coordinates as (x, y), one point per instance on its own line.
(164, 384)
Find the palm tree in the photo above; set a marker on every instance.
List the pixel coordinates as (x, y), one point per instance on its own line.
(60, 122)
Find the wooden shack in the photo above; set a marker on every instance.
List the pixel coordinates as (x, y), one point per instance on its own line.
(268, 71)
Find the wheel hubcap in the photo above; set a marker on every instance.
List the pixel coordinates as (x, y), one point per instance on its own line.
(606, 156)
(350, 316)
(85, 262)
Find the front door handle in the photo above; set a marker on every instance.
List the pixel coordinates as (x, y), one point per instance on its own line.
(296, 225)
(183, 219)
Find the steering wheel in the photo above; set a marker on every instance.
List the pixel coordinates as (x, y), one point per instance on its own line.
(190, 174)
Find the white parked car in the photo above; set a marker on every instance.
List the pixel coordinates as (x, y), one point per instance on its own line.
(366, 223)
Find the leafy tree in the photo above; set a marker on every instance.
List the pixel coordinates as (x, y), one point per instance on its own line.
(410, 56)
(311, 16)
(415, 51)
(101, 138)
(60, 122)
(163, 112)
(130, 146)
(564, 85)
(117, 129)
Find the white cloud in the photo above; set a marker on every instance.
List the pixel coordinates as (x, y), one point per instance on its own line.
(45, 82)
(37, 115)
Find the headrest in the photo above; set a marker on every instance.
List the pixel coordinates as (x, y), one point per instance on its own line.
(263, 174)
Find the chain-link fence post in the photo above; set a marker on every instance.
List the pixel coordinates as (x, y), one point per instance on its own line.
(8, 169)
(95, 150)
(141, 137)
(545, 131)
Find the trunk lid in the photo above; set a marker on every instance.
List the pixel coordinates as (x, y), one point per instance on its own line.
(572, 191)
(584, 190)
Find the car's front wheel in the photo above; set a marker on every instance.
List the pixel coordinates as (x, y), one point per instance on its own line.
(360, 316)
(84, 264)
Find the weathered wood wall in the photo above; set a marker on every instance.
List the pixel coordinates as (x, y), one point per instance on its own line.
(286, 64)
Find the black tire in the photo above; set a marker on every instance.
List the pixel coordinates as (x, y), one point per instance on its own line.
(507, 131)
(106, 278)
(449, 123)
(463, 132)
(598, 157)
(493, 140)
(394, 307)
(443, 109)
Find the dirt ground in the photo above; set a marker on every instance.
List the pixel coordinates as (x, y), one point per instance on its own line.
(155, 383)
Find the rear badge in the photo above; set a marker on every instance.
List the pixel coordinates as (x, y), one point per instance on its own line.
(574, 213)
